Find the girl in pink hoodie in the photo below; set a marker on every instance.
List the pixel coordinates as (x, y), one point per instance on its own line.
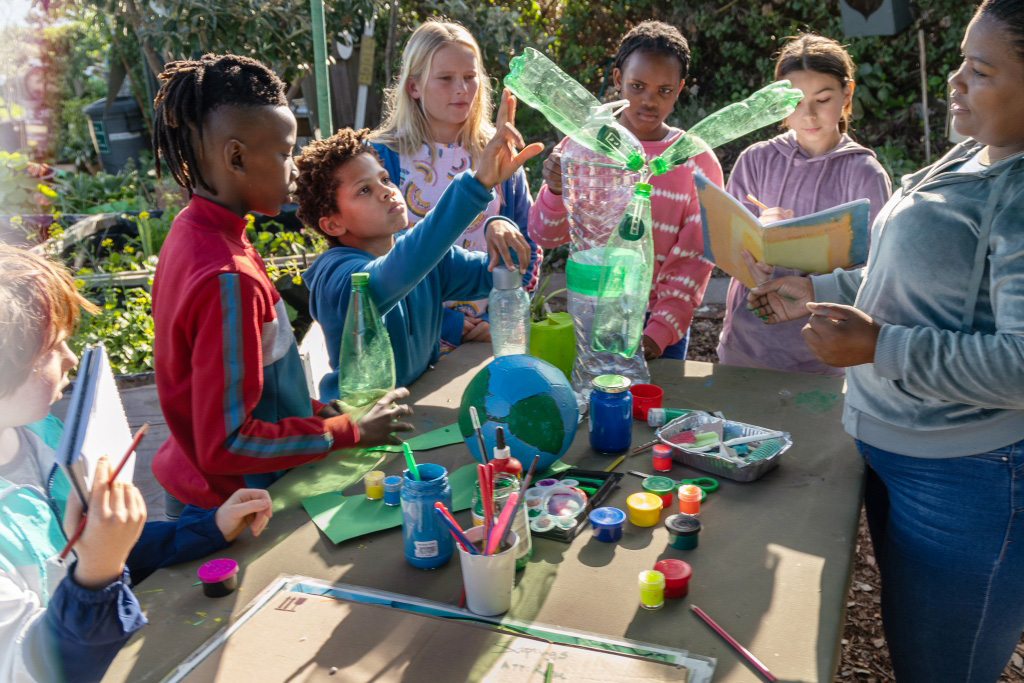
(650, 71)
(813, 166)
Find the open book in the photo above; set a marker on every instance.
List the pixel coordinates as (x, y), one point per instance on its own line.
(95, 425)
(817, 243)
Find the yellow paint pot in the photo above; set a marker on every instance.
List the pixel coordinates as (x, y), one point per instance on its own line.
(644, 509)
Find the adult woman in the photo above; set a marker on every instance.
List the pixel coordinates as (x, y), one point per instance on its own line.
(935, 345)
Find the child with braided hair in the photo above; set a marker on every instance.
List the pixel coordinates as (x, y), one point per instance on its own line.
(228, 374)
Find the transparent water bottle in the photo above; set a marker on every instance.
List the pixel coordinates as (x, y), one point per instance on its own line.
(595, 194)
(509, 311)
(771, 103)
(571, 108)
(366, 363)
(626, 273)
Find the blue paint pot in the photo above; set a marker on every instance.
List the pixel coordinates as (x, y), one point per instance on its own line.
(393, 491)
(607, 524)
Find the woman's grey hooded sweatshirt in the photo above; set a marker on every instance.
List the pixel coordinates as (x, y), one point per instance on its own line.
(945, 278)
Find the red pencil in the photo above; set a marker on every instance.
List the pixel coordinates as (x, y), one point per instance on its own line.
(117, 470)
(747, 654)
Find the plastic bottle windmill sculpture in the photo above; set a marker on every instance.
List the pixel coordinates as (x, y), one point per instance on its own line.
(628, 261)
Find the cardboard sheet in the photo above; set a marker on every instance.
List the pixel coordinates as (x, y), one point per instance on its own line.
(301, 637)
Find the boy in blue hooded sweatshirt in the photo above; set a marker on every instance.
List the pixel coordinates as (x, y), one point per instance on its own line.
(346, 194)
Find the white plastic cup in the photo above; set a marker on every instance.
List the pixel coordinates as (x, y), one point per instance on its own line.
(488, 579)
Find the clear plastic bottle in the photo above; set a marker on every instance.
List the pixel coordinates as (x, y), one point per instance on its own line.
(509, 311)
(571, 108)
(366, 362)
(626, 273)
(595, 194)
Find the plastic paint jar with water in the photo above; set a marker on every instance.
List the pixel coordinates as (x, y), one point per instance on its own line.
(427, 542)
(505, 485)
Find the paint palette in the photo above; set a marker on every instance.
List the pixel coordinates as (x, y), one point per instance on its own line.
(602, 484)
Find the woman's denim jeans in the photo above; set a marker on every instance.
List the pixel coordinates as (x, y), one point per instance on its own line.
(949, 539)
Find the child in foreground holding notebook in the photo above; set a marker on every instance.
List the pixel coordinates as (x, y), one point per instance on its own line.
(61, 622)
(347, 195)
(228, 373)
(813, 166)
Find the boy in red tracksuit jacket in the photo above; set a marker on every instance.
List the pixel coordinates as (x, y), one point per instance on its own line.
(228, 374)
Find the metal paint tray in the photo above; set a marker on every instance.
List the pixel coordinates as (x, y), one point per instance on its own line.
(737, 470)
(611, 481)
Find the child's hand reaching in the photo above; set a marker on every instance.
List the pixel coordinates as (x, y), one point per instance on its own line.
(245, 508)
(499, 159)
(117, 513)
(502, 239)
(552, 172)
(782, 299)
(377, 427)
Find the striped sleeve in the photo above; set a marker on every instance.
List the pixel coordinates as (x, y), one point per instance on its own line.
(684, 272)
(227, 362)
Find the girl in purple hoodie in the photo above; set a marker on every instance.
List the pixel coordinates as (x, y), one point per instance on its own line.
(813, 166)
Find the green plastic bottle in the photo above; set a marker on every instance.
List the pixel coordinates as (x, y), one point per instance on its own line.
(625, 286)
(570, 107)
(366, 363)
(771, 103)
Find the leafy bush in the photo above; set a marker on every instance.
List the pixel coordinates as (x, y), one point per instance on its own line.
(124, 325)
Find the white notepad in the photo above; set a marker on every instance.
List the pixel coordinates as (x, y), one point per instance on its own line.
(95, 425)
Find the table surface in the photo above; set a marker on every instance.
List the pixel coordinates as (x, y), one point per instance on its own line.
(772, 567)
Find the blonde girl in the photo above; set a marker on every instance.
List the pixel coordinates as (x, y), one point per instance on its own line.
(437, 122)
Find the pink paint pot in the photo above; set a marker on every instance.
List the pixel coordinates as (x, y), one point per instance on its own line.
(219, 577)
(645, 397)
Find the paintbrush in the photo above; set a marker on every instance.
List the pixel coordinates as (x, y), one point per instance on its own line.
(475, 419)
(113, 477)
(455, 529)
(504, 523)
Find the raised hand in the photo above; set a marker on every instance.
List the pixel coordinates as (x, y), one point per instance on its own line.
(785, 298)
(500, 159)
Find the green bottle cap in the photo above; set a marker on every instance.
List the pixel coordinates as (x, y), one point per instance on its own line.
(635, 161)
(642, 190)
(611, 384)
(658, 166)
(360, 279)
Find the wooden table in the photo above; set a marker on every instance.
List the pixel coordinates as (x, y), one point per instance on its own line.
(773, 565)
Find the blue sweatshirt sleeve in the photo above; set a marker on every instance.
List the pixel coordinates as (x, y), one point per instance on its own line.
(422, 247)
(162, 544)
(89, 627)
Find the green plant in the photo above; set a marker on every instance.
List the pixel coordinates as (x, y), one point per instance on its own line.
(82, 193)
(539, 300)
(124, 325)
(18, 188)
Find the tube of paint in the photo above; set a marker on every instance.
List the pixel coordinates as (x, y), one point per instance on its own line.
(657, 417)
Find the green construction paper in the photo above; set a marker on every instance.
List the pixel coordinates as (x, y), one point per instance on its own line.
(345, 517)
(443, 436)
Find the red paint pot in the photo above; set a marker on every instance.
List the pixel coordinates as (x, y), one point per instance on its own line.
(645, 397)
(661, 461)
(677, 577)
